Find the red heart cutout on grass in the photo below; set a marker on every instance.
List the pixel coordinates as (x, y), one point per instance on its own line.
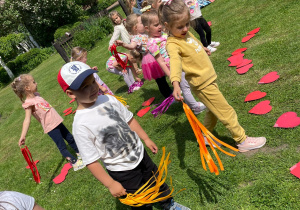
(236, 59)
(209, 23)
(148, 102)
(142, 112)
(72, 101)
(254, 31)
(287, 120)
(255, 95)
(268, 78)
(261, 108)
(295, 170)
(244, 63)
(63, 173)
(244, 69)
(247, 38)
(66, 110)
(238, 51)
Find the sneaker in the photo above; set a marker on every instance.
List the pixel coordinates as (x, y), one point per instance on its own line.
(78, 156)
(199, 109)
(251, 143)
(136, 88)
(212, 49)
(176, 206)
(214, 44)
(78, 165)
(207, 144)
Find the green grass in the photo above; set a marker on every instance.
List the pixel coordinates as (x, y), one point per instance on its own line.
(254, 180)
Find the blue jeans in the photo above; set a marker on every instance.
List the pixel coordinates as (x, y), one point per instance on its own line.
(58, 135)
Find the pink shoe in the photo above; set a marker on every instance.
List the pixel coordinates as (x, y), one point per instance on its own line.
(251, 143)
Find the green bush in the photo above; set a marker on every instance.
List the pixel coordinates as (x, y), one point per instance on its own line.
(103, 4)
(4, 78)
(8, 49)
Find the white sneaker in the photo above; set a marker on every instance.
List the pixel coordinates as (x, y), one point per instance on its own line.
(199, 109)
(214, 44)
(211, 49)
(136, 88)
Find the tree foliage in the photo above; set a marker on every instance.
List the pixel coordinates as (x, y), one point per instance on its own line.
(8, 49)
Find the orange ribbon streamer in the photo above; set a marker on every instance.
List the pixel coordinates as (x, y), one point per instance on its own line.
(199, 130)
(147, 194)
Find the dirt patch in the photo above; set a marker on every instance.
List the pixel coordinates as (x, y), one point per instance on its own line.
(246, 184)
(267, 150)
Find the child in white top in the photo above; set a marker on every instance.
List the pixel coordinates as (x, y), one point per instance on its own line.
(25, 87)
(119, 29)
(157, 47)
(80, 54)
(104, 129)
(188, 54)
(11, 200)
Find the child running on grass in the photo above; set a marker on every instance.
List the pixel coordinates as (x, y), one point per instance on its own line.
(25, 87)
(188, 54)
(80, 54)
(104, 129)
(157, 47)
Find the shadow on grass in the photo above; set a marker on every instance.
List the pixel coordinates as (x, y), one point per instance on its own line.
(207, 186)
(55, 173)
(120, 206)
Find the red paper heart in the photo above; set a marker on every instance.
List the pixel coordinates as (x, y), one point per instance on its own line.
(209, 23)
(148, 102)
(268, 78)
(63, 173)
(287, 120)
(142, 112)
(244, 63)
(236, 59)
(72, 100)
(261, 108)
(69, 112)
(238, 51)
(295, 170)
(247, 38)
(66, 110)
(254, 31)
(244, 69)
(255, 95)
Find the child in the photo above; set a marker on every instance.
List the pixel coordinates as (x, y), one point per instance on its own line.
(131, 6)
(25, 87)
(119, 29)
(200, 25)
(150, 67)
(188, 54)
(104, 129)
(114, 67)
(80, 54)
(157, 47)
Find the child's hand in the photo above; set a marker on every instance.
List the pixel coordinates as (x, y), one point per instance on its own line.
(109, 48)
(119, 43)
(151, 145)
(103, 89)
(207, 51)
(95, 68)
(116, 189)
(177, 91)
(124, 71)
(21, 141)
(138, 79)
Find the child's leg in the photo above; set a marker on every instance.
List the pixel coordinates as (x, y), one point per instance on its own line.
(198, 28)
(207, 30)
(57, 137)
(68, 137)
(130, 75)
(219, 108)
(187, 94)
(163, 86)
(125, 76)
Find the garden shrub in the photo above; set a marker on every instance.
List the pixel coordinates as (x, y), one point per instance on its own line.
(103, 4)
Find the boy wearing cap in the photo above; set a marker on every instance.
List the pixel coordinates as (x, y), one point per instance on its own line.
(104, 129)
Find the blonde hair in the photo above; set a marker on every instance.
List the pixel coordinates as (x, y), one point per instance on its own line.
(77, 53)
(172, 12)
(136, 55)
(130, 22)
(19, 84)
(128, 5)
(112, 13)
(148, 15)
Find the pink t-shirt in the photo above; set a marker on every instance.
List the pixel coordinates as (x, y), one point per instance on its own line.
(158, 45)
(44, 113)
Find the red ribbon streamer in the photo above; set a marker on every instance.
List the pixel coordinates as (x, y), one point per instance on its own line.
(115, 53)
(27, 155)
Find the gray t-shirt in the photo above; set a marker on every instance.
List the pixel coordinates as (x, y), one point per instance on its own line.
(102, 132)
(12, 200)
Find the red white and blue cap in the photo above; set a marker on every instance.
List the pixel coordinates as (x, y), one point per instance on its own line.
(72, 75)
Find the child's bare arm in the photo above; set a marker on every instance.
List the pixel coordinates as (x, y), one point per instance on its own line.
(135, 126)
(114, 187)
(162, 64)
(26, 124)
(130, 46)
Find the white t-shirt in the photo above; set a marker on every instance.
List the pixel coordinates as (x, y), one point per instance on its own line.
(14, 200)
(194, 8)
(102, 132)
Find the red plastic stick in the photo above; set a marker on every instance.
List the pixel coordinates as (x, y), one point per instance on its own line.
(27, 155)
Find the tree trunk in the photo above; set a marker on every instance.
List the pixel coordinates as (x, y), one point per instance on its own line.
(9, 72)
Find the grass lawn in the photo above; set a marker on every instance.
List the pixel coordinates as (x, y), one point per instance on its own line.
(258, 179)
